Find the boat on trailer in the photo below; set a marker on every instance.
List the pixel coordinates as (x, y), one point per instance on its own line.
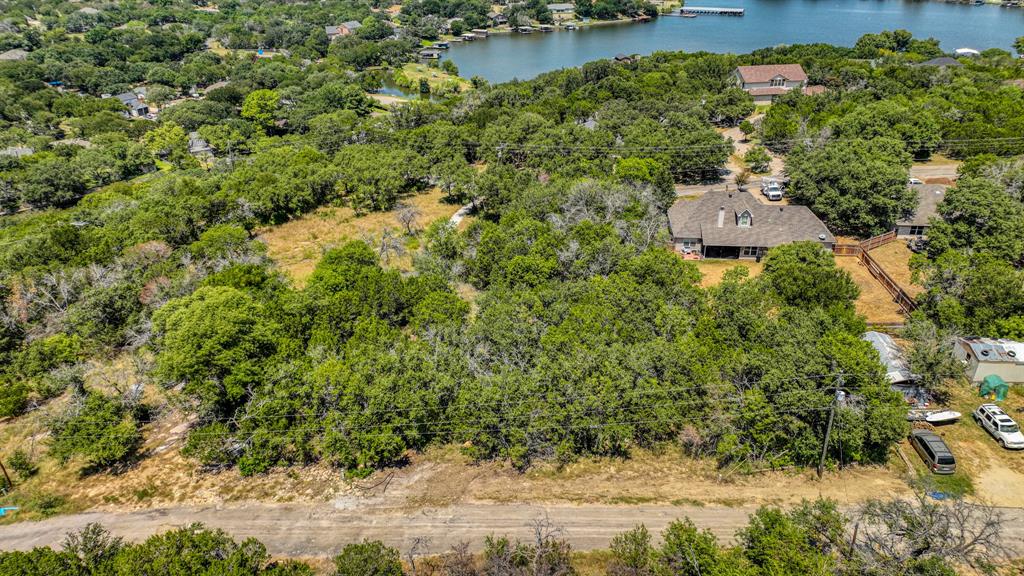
(936, 417)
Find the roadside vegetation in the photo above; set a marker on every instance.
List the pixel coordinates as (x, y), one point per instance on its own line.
(897, 538)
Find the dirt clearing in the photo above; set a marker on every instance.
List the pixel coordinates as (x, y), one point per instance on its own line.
(296, 246)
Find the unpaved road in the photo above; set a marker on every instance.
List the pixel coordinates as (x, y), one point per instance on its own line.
(311, 531)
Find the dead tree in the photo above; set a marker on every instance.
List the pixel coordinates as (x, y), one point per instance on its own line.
(895, 532)
(407, 215)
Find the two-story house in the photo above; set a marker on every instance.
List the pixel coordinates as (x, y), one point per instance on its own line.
(766, 82)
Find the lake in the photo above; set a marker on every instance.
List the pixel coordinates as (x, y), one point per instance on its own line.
(767, 23)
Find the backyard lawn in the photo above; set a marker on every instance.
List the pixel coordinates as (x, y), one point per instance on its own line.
(894, 258)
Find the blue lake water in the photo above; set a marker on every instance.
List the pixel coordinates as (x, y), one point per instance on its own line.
(767, 23)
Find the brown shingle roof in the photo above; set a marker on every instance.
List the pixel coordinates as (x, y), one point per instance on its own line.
(771, 225)
(928, 198)
(764, 73)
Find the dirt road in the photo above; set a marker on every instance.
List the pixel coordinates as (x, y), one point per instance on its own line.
(311, 531)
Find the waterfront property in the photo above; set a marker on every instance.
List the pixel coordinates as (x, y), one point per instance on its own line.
(711, 10)
(724, 224)
(985, 357)
(563, 11)
(929, 196)
(766, 82)
(764, 23)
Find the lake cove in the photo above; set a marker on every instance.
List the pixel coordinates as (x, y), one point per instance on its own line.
(766, 23)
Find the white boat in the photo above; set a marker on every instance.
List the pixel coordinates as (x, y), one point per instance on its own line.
(936, 417)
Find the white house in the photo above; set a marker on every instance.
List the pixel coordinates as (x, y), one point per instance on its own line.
(766, 82)
(987, 356)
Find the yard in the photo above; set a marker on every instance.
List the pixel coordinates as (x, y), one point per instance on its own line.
(296, 246)
(985, 470)
(894, 258)
(874, 302)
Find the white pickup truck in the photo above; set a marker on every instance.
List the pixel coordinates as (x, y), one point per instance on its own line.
(771, 189)
(999, 425)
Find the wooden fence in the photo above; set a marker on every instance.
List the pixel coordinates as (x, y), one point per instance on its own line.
(860, 250)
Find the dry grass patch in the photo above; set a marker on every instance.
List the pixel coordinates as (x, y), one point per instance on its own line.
(296, 246)
(894, 258)
(712, 271)
(874, 302)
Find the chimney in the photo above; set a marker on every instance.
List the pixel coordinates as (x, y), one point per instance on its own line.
(721, 216)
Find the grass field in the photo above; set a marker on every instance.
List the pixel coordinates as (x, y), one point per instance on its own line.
(894, 258)
(874, 302)
(296, 246)
(711, 271)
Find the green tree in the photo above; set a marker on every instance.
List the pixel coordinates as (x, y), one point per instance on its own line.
(261, 106)
(216, 341)
(758, 160)
(170, 142)
(858, 187)
(97, 427)
(370, 558)
(804, 274)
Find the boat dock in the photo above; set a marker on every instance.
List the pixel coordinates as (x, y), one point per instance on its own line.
(711, 10)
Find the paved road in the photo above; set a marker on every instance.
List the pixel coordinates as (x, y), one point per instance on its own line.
(311, 531)
(320, 531)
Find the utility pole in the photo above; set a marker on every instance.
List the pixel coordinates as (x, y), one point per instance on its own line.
(828, 429)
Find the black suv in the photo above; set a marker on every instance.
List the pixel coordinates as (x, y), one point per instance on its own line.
(933, 451)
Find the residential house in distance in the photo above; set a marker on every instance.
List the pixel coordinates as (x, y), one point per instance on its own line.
(136, 107)
(563, 11)
(343, 29)
(497, 18)
(983, 357)
(724, 224)
(16, 151)
(14, 55)
(942, 62)
(198, 147)
(766, 82)
(929, 196)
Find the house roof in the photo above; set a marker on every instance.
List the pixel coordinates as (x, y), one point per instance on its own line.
(764, 73)
(16, 151)
(941, 62)
(88, 10)
(332, 30)
(561, 6)
(929, 196)
(15, 54)
(352, 24)
(770, 225)
(995, 349)
(897, 369)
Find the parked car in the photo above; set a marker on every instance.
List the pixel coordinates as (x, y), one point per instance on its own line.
(1000, 426)
(933, 451)
(771, 189)
(915, 182)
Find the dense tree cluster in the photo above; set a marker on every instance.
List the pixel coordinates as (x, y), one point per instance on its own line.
(586, 337)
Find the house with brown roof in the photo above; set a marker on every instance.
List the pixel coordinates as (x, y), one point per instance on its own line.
(767, 81)
(724, 224)
(929, 196)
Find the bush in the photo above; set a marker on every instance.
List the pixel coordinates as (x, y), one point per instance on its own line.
(22, 465)
(371, 558)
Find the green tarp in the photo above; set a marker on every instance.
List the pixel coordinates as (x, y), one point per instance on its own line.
(994, 385)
